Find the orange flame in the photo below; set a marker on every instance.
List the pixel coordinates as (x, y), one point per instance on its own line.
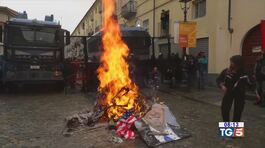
(113, 72)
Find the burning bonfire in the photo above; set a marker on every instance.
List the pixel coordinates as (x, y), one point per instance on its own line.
(118, 92)
(120, 103)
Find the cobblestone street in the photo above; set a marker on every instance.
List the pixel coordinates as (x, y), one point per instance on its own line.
(37, 120)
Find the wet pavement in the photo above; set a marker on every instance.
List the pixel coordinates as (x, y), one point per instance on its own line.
(37, 120)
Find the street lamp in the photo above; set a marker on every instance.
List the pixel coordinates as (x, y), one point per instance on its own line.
(185, 77)
(185, 9)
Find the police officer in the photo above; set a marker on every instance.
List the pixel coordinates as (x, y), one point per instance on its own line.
(232, 81)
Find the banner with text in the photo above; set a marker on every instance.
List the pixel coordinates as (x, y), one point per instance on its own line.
(187, 34)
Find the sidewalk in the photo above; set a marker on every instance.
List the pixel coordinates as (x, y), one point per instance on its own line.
(210, 95)
(213, 96)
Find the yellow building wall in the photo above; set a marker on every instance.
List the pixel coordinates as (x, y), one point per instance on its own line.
(206, 27)
(245, 15)
(222, 45)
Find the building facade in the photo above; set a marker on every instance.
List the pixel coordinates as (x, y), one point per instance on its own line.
(91, 22)
(5, 15)
(224, 27)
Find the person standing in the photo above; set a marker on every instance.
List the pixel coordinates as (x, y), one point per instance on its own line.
(192, 69)
(177, 72)
(260, 79)
(202, 70)
(162, 66)
(233, 81)
(155, 82)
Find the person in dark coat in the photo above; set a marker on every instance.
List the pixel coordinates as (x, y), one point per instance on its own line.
(233, 81)
(178, 62)
(192, 69)
(260, 79)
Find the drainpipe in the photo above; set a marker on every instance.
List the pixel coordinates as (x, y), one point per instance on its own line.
(230, 29)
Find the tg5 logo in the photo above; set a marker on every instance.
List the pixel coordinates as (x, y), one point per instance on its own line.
(231, 131)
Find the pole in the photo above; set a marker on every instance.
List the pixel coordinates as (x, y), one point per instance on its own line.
(153, 49)
(84, 81)
(153, 38)
(185, 12)
(169, 48)
(185, 77)
(185, 20)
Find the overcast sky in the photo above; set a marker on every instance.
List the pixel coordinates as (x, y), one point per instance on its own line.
(68, 12)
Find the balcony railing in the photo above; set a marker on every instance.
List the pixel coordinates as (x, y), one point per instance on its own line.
(129, 9)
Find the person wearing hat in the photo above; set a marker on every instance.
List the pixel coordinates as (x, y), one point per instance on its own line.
(232, 82)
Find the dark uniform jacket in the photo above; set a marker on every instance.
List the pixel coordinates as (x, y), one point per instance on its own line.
(234, 82)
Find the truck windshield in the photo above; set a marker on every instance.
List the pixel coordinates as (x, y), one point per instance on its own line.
(32, 36)
(46, 36)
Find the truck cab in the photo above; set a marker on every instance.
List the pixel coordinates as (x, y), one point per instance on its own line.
(32, 51)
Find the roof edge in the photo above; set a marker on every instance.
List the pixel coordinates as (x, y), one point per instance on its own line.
(85, 16)
(9, 11)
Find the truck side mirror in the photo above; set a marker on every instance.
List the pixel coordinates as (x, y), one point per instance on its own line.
(67, 37)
